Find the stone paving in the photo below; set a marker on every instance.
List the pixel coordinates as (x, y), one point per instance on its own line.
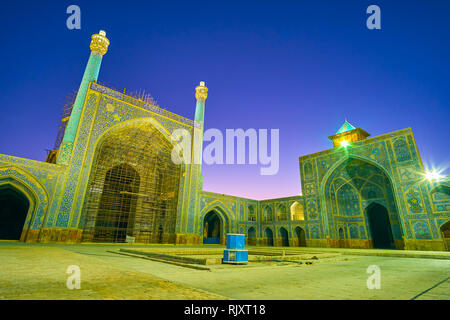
(38, 272)
(445, 255)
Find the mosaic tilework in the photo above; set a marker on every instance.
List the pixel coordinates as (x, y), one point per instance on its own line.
(414, 199)
(35, 175)
(401, 150)
(422, 230)
(94, 124)
(38, 194)
(385, 170)
(312, 211)
(314, 232)
(142, 104)
(76, 162)
(353, 231)
(394, 156)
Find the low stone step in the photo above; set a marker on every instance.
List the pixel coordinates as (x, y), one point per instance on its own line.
(180, 264)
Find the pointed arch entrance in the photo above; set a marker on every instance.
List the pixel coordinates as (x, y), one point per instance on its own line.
(212, 228)
(301, 236)
(341, 238)
(23, 192)
(284, 236)
(251, 236)
(132, 177)
(445, 230)
(351, 193)
(117, 204)
(380, 226)
(14, 207)
(269, 237)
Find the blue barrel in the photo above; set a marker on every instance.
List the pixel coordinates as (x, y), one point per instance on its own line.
(235, 256)
(235, 241)
(235, 252)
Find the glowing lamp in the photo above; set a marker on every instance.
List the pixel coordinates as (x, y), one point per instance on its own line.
(344, 143)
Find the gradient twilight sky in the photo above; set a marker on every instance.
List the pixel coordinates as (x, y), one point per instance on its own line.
(299, 66)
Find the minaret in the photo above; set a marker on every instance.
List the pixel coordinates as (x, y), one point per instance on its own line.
(201, 93)
(99, 47)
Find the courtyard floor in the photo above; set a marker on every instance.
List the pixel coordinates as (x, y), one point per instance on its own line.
(35, 271)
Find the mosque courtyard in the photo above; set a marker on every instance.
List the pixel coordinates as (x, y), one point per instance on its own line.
(39, 271)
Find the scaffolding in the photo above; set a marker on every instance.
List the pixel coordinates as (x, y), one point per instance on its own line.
(67, 109)
(140, 97)
(133, 188)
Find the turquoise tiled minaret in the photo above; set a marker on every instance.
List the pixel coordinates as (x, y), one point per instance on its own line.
(99, 47)
(201, 93)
